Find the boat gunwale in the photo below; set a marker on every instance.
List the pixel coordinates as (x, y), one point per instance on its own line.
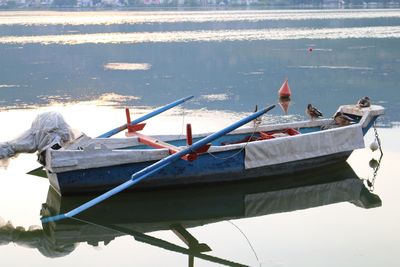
(67, 160)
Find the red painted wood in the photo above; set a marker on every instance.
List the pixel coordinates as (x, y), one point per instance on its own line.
(128, 116)
(189, 138)
(150, 141)
(153, 142)
(136, 127)
(203, 149)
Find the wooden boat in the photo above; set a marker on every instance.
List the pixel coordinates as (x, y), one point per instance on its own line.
(90, 165)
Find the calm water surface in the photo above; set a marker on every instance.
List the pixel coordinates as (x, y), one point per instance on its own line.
(89, 65)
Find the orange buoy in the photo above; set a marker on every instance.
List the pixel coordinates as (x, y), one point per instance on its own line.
(285, 90)
(310, 49)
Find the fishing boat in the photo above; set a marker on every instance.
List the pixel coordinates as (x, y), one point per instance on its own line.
(89, 165)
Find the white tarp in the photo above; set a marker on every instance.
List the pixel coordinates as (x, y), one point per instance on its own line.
(303, 146)
(47, 129)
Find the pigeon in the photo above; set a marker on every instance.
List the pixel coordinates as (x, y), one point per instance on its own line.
(313, 112)
(364, 102)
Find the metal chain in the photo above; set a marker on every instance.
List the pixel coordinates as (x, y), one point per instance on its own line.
(378, 139)
(371, 182)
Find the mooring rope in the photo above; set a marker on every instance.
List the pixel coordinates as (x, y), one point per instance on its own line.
(255, 127)
(248, 241)
(183, 122)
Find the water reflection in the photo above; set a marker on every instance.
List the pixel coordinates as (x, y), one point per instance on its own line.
(33, 238)
(378, 32)
(141, 212)
(375, 165)
(126, 66)
(284, 103)
(45, 18)
(353, 53)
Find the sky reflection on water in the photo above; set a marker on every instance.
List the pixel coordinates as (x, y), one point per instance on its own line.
(337, 59)
(110, 17)
(207, 36)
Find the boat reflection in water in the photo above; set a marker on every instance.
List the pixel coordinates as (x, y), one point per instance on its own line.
(140, 212)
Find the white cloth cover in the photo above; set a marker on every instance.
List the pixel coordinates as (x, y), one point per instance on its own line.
(303, 146)
(47, 129)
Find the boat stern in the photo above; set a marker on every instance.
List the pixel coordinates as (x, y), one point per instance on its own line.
(367, 115)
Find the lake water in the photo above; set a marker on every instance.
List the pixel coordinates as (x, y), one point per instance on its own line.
(89, 65)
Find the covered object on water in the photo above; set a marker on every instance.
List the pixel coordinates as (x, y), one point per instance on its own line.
(47, 130)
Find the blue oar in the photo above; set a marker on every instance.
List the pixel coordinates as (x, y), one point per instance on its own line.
(145, 117)
(142, 174)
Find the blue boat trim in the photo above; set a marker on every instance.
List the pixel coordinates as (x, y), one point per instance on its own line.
(71, 184)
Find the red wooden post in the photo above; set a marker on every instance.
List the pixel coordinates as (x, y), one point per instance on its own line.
(189, 138)
(128, 116)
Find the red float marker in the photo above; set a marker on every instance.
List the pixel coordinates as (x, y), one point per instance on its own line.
(285, 90)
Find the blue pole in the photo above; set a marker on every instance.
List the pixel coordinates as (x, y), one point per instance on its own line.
(145, 117)
(142, 174)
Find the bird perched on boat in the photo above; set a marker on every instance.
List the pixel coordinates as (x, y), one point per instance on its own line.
(313, 112)
(258, 119)
(342, 119)
(364, 102)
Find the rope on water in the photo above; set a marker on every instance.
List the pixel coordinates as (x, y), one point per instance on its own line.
(248, 241)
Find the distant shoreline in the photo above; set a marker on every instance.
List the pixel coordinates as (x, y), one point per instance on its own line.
(203, 8)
